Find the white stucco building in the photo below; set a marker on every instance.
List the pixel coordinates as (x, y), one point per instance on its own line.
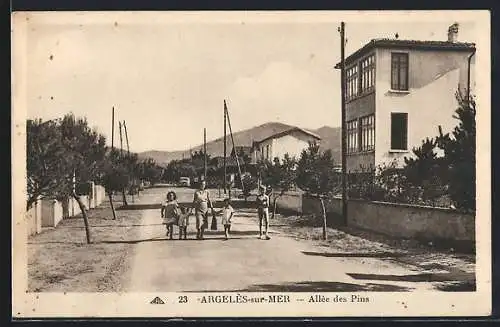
(399, 91)
(291, 141)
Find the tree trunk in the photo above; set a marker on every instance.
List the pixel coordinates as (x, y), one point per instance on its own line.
(324, 217)
(85, 218)
(110, 195)
(124, 198)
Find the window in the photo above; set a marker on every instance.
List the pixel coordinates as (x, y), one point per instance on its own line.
(367, 74)
(399, 71)
(267, 152)
(367, 137)
(352, 136)
(399, 131)
(352, 82)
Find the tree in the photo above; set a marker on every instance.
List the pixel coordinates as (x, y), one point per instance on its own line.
(45, 160)
(249, 184)
(151, 171)
(115, 176)
(460, 154)
(316, 175)
(281, 176)
(84, 153)
(424, 176)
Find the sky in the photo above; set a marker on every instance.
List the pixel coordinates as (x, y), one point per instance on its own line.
(168, 78)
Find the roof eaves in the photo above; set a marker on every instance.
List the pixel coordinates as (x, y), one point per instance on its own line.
(426, 45)
(288, 131)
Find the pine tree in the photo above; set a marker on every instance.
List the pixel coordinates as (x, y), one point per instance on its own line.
(460, 155)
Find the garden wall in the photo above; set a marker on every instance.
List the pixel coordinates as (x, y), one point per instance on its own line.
(399, 220)
(49, 212)
(34, 218)
(290, 202)
(52, 212)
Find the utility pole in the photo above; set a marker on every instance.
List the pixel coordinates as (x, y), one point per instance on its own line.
(128, 153)
(113, 127)
(344, 124)
(121, 141)
(225, 147)
(204, 154)
(126, 136)
(234, 149)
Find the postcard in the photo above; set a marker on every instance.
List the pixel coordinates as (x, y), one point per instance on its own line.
(251, 164)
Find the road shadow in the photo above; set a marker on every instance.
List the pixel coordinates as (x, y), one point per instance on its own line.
(466, 286)
(152, 206)
(109, 226)
(320, 286)
(142, 206)
(355, 255)
(423, 277)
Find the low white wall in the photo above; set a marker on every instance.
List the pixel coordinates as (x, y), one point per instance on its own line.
(34, 218)
(99, 194)
(52, 213)
(290, 201)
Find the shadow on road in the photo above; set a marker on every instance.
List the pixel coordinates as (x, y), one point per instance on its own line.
(321, 286)
(144, 206)
(109, 226)
(424, 277)
(355, 255)
(467, 286)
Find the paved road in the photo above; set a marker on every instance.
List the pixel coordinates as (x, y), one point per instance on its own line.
(246, 263)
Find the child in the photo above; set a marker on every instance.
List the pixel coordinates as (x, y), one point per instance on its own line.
(263, 210)
(183, 223)
(170, 213)
(227, 215)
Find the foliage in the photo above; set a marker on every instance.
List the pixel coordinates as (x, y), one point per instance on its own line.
(117, 174)
(249, 184)
(150, 171)
(460, 154)
(45, 160)
(315, 170)
(58, 151)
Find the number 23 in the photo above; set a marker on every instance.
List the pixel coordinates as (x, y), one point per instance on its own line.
(183, 299)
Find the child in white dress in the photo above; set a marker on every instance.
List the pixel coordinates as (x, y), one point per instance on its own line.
(170, 213)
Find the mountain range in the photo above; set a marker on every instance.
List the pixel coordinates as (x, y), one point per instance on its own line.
(330, 139)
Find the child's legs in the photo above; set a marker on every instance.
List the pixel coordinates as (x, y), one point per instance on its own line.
(199, 222)
(266, 220)
(226, 230)
(261, 215)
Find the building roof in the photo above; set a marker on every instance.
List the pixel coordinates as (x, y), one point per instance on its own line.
(289, 131)
(408, 44)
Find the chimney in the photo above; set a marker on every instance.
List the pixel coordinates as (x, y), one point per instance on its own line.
(453, 33)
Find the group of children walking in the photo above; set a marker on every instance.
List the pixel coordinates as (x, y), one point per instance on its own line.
(174, 214)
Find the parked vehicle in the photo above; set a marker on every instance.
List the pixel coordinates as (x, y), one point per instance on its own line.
(185, 181)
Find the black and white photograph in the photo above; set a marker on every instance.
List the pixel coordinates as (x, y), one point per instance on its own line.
(192, 164)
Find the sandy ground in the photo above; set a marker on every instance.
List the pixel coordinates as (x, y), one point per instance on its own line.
(60, 260)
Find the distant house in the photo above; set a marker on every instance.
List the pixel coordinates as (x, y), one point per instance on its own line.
(291, 141)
